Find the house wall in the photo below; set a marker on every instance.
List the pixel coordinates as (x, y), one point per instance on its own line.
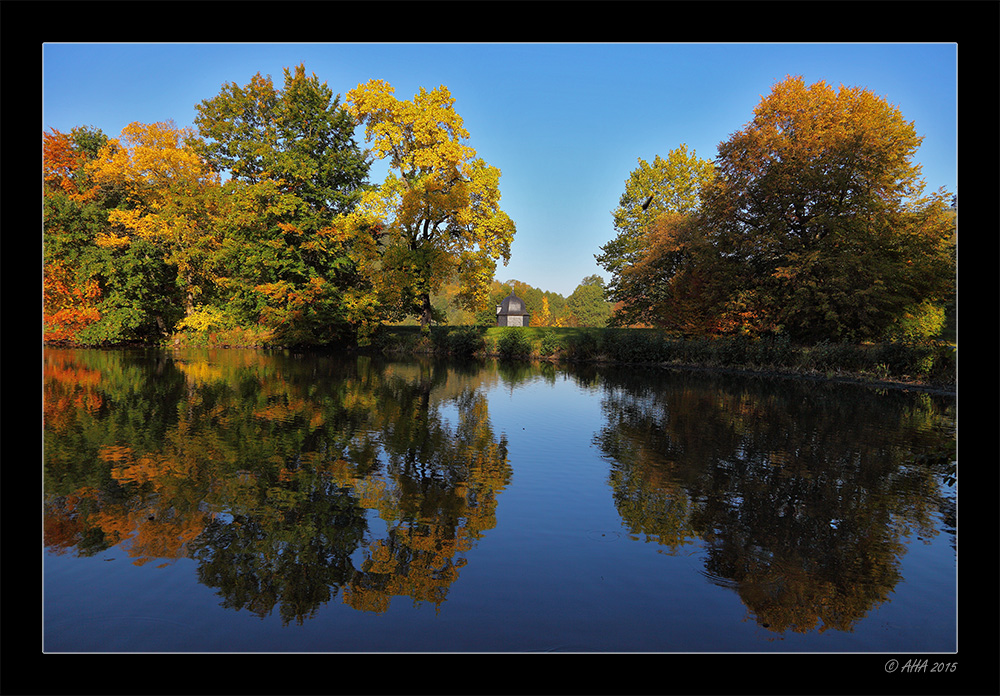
(513, 319)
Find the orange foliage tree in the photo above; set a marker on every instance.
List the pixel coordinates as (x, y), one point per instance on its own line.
(70, 298)
(674, 283)
(820, 209)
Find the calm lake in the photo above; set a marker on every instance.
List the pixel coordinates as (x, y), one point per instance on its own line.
(254, 501)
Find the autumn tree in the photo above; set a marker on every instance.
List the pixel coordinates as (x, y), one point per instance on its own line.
(74, 213)
(671, 184)
(438, 210)
(293, 169)
(170, 199)
(675, 283)
(543, 317)
(820, 209)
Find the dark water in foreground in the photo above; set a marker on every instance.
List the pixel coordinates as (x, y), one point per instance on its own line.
(246, 501)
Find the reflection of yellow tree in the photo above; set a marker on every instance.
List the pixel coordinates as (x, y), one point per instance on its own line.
(262, 468)
(652, 502)
(435, 508)
(802, 497)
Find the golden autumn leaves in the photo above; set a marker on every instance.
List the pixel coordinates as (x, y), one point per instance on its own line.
(265, 215)
(439, 205)
(810, 222)
(156, 169)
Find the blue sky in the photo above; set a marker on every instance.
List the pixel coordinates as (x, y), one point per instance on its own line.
(565, 123)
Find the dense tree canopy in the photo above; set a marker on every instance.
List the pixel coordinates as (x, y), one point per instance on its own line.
(169, 196)
(294, 170)
(819, 207)
(675, 282)
(814, 224)
(811, 222)
(104, 280)
(70, 295)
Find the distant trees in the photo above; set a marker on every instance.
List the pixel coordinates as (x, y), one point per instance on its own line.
(586, 305)
(814, 225)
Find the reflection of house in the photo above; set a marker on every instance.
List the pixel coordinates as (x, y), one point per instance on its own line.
(512, 312)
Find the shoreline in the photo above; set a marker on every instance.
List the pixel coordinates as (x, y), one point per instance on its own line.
(839, 377)
(399, 350)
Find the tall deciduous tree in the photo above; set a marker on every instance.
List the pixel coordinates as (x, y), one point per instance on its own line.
(439, 206)
(293, 169)
(820, 208)
(671, 184)
(169, 191)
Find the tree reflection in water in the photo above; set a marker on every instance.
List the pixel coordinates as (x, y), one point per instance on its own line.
(291, 481)
(269, 471)
(801, 497)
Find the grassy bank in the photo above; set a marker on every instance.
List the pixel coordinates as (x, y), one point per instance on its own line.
(929, 364)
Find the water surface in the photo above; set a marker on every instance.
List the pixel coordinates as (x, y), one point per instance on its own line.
(253, 501)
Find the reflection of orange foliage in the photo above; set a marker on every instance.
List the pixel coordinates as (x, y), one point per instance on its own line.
(62, 525)
(157, 538)
(146, 532)
(129, 467)
(425, 575)
(285, 410)
(362, 599)
(341, 471)
(153, 530)
(68, 388)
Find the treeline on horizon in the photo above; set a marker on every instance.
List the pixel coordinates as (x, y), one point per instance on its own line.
(259, 227)
(585, 306)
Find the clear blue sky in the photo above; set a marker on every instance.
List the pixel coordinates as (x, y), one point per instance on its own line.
(565, 123)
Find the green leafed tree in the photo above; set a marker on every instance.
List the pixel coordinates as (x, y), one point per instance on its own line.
(587, 302)
(670, 184)
(292, 171)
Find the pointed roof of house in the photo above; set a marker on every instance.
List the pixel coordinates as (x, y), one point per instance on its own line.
(512, 304)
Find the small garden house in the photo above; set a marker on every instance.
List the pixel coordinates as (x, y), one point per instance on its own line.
(512, 312)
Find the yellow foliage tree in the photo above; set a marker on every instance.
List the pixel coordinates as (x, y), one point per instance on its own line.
(543, 317)
(438, 210)
(169, 191)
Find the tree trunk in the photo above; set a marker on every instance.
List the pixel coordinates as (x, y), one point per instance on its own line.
(425, 311)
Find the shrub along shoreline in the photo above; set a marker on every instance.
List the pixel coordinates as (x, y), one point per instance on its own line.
(927, 366)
